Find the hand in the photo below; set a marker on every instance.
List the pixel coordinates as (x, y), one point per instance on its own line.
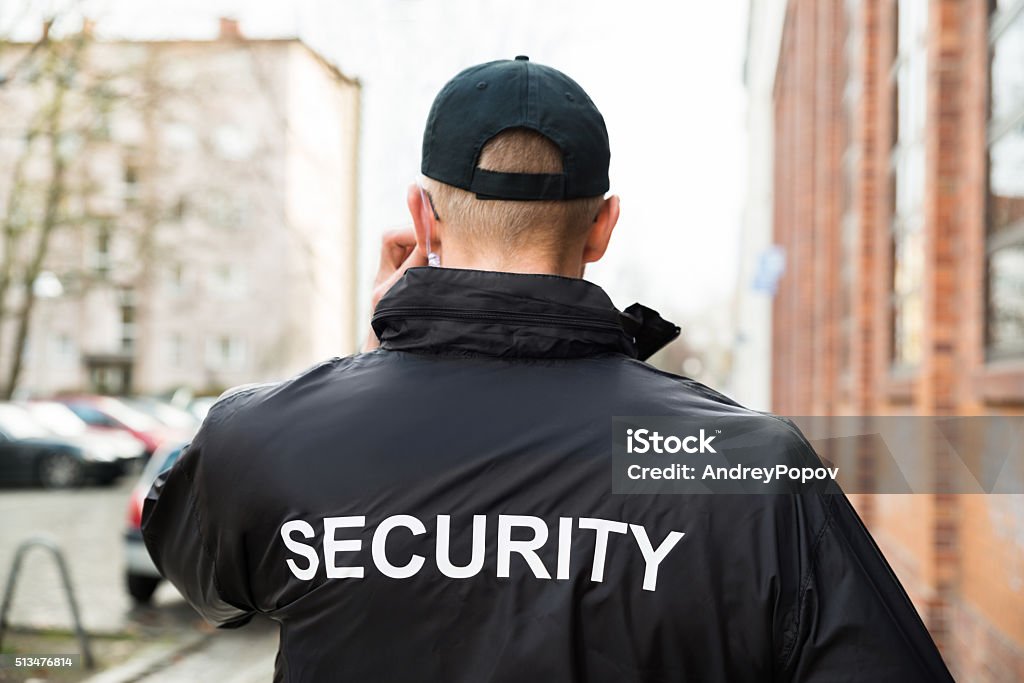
(398, 253)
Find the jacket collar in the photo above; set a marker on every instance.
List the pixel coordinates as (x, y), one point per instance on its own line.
(475, 312)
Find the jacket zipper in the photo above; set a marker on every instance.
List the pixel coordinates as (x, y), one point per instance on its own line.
(547, 319)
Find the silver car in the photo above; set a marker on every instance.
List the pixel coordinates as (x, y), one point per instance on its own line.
(141, 576)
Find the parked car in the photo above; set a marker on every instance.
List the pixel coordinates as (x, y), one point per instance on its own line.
(31, 453)
(61, 420)
(141, 576)
(165, 413)
(106, 412)
(201, 406)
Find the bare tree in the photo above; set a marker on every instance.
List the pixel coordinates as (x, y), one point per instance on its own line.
(55, 102)
(56, 66)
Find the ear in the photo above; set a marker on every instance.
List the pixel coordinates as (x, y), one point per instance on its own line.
(423, 220)
(601, 231)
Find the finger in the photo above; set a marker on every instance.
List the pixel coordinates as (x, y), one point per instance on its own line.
(399, 237)
(415, 258)
(395, 247)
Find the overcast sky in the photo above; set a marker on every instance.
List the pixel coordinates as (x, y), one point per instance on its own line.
(666, 75)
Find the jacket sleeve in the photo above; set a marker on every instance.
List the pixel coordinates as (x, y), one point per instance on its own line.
(853, 620)
(191, 544)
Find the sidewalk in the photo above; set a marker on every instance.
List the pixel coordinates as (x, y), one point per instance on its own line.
(243, 655)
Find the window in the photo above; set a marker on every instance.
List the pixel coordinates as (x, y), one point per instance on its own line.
(180, 210)
(181, 136)
(131, 183)
(226, 352)
(127, 302)
(65, 352)
(16, 423)
(232, 142)
(176, 350)
(176, 281)
(101, 253)
(908, 168)
(70, 143)
(92, 416)
(226, 211)
(1005, 243)
(227, 281)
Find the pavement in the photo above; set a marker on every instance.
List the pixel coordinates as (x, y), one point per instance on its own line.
(239, 656)
(173, 643)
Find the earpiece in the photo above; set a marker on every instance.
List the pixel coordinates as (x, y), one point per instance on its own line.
(432, 258)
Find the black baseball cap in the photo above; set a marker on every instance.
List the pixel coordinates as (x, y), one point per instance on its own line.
(486, 99)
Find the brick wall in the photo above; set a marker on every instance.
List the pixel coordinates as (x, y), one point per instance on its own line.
(832, 315)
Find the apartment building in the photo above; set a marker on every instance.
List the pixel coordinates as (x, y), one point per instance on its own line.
(209, 230)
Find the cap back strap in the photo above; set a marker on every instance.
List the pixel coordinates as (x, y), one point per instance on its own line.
(517, 186)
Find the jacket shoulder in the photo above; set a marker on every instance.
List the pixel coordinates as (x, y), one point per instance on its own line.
(674, 382)
(244, 394)
(246, 399)
(684, 396)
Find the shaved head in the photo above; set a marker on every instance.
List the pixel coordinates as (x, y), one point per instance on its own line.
(506, 226)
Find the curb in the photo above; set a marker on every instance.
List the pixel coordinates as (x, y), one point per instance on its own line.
(149, 659)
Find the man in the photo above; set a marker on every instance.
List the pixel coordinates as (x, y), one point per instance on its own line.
(439, 507)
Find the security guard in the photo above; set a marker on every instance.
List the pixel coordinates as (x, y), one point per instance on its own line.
(439, 507)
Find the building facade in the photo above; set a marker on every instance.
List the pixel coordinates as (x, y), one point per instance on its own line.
(761, 262)
(210, 237)
(898, 201)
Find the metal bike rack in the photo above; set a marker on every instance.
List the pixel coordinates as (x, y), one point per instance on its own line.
(58, 556)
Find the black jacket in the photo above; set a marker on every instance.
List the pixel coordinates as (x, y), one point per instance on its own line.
(485, 415)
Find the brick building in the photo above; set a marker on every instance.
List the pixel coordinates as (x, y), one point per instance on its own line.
(897, 176)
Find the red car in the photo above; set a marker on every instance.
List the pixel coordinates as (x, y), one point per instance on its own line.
(105, 412)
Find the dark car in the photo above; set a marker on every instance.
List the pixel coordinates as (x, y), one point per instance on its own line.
(141, 576)
(62, 421)
(32, 454)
